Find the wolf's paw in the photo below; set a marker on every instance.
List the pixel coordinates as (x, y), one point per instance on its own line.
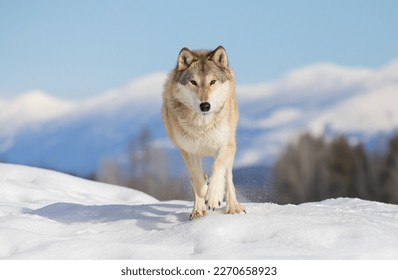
(213, 199)
(196, 214)
(234, 208)
(199, 209)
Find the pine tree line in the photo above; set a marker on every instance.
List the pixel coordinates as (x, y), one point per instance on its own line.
(313, 169)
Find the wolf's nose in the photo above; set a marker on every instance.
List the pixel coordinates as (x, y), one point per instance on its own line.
(205, 106)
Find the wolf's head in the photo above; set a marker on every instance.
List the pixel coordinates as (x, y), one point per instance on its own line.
(204, 79)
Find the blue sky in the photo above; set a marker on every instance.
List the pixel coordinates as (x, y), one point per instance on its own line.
(76, 49)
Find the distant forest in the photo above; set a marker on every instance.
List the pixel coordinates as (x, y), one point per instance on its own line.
(310, 169)
(148, 169)
(314, 169)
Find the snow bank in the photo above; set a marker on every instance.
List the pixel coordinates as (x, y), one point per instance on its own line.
(49, 215)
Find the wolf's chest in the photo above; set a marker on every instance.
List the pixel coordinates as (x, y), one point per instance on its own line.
(203, 140)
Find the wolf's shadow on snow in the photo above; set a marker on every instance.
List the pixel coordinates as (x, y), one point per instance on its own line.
(148, 216)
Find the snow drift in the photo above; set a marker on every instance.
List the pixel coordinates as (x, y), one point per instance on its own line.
(50, 215)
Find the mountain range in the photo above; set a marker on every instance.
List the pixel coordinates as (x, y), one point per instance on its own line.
(75, 136)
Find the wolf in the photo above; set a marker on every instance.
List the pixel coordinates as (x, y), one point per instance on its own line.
(200, 114)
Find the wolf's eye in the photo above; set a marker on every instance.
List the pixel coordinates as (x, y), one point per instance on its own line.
(193, 82)
(212, 82)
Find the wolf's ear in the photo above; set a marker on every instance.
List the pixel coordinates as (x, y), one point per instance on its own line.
(185, 59)
(219, 56)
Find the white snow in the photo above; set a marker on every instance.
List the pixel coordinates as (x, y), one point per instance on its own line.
(50, 215)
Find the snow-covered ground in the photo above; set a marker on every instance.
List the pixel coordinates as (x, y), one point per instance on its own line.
(50, 215)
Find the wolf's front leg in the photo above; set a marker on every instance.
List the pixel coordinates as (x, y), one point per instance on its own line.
(233, 206)
(198, 180)
(199, 183)
(199, 208)
(216, 191)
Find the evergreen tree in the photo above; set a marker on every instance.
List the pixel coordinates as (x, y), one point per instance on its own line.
(313, 169)
(389, 173)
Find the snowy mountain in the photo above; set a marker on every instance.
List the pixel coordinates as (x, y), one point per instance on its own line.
(50, 215)
(37, 129)
(324, 99)
(29, 110)
(77, 140)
